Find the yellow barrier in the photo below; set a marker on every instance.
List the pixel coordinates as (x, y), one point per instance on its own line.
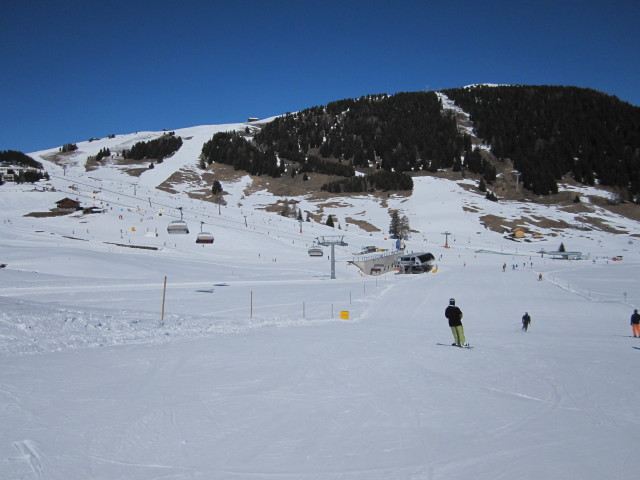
(344, 315)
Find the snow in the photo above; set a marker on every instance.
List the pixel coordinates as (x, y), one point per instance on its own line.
(253, 374)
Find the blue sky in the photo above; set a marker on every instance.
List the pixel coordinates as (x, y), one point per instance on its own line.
(73, 69)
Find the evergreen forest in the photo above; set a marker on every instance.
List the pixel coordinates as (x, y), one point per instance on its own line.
(547, 132)
(159, 148)
(405, 132)
(233, 149)
(550, 131)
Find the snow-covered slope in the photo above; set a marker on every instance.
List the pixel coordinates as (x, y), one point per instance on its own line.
(248, 370)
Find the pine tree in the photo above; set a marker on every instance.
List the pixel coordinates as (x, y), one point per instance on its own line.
(394, 226)
(286, 211)
(68, 147)
(404, 227)
(330, 222)
(399, 226)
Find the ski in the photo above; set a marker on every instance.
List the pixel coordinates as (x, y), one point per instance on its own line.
(453, 345)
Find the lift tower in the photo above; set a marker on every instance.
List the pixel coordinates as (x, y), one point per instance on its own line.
(332, 241)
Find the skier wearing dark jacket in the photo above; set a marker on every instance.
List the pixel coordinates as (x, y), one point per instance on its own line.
(454, 315)
(635, 323)
(526, 321)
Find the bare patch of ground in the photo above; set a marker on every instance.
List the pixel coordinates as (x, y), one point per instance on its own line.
(596, 223)
(91, 164)
(505, 188)
(179, 177)
(135, 172)
(628, 210)
(223, 173)
(166, 188)
(501, 225)
(135, 167)
(46, 214)
(366, 226)
(63, 158)
(281, 205)
(286, 186)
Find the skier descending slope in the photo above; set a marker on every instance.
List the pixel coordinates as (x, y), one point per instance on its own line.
(635, 323)
(454, 315)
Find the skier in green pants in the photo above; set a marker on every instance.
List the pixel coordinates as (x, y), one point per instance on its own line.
(454, 315)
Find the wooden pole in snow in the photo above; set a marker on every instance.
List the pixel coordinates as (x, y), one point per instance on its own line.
(164, 293)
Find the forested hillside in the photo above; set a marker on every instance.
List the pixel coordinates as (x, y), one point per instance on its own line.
(399, 133)
(550, 131)
(546, 131)
(232, 149)
(404, 131)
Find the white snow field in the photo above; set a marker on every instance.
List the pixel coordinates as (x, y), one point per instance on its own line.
(253, 374)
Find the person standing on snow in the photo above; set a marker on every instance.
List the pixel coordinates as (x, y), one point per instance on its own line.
(635, 323)
(526, 321)
(454, 315)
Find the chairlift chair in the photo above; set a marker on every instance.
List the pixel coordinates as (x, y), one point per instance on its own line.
(178, 226)
(204, 237)
(315, 251)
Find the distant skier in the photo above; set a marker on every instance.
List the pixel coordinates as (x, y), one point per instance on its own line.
(635, 323)
(526, 321)
(454, 315)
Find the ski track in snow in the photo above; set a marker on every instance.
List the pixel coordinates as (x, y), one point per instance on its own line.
(31, 455)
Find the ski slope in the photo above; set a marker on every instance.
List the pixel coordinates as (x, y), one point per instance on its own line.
(251, 373)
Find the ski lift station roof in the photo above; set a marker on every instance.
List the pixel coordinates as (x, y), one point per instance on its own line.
(565, 255)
